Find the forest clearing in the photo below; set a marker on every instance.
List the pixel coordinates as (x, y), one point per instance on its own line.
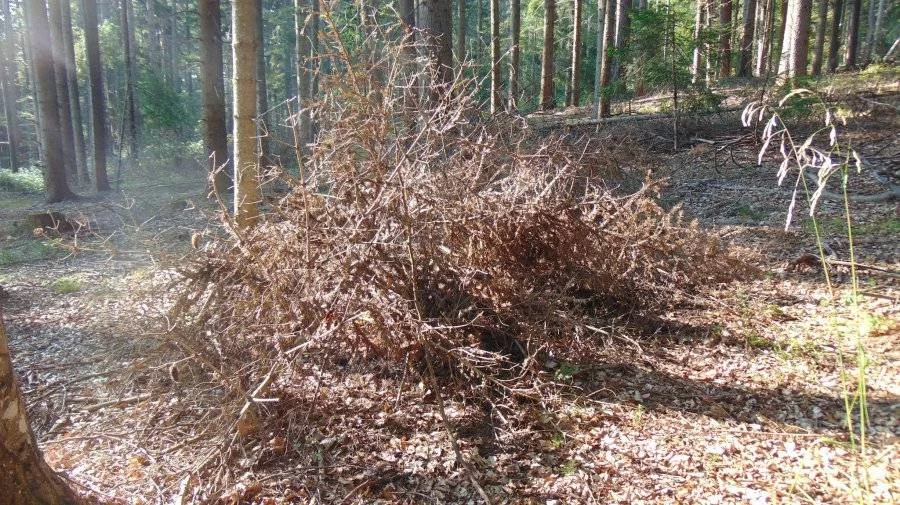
(417, 280)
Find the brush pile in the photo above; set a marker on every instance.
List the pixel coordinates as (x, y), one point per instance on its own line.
(418, 237)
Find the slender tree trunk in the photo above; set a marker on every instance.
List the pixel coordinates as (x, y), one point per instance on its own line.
(548, 91)
(301, 10)
(598, 57)
(515, 33)
(879, 25)
(623, 22)
(460, 29)
(605, 61)
(697, 61)
(745, 60)
(7, 69)
(27, 479)
(765, 44)
(215, 137)
(74, 93)
(262, 91)
(495, 57)
(62, 88)
(98, 98)
(245, 47)
(851, 51)
(871, 10)
(778, 43)
(795, 47)
(130, 102)
(821, 28)
(574, 88)
(725, 14)
(48, 106)
(834, 42)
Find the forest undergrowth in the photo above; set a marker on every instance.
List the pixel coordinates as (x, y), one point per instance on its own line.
(438, 309)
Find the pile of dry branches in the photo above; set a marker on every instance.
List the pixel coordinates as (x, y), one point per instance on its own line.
(417, 237)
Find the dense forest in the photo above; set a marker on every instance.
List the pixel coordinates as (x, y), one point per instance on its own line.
(304, 251)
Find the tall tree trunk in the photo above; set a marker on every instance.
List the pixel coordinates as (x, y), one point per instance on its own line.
(697, 61)
(215, 138)
(598, 57)
(605, 60)
(795, 47)
(62, 87)
(574, 88)
(434, 19)
(834, 42)
(765, 42)
(871, 15)
(48, 106)
(27, 479)
(821, 28)
(745, 60)
(879, 25)
(245, 47)
(725, 14)
(460, 30)
(851, 50)
(623, 23)
(131, 109)
(495, 57)
(515, 33)
(262, 91)
(98, 98)
(548, 91)
(74, 93)
(7, 69)
(778, 42)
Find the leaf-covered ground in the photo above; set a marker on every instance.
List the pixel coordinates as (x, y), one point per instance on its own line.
(735, 400)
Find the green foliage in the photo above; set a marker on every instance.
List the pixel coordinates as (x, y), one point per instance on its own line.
(66, 285)
(164, 109)
(27, 180)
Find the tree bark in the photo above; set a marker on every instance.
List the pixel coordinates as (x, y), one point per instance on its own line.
(131, 109)
(765, 44)
(697, 60)
(851, 51)
(515, 33)
(623, 23)
(834, 44)
(98, 98)
(879, 24)
(598, 57)
(745, 59)
(434, 19)
(27, 479)
(548, 91)
(67, 135)
(821, 28)
(460, 30)
(574, 89)
(74, 93)
(495, 57)
(871, 10)
(795, 46)
(48, 106)
(605, 60)
(725, 15)
(245, 47)
(9, 108)
(8, 70)
(215, 138)
(262, 91)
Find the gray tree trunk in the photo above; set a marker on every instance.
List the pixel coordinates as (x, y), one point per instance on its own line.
(548, 91)
(215, 138)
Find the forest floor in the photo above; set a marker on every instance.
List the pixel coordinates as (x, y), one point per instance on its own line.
(737, 399)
